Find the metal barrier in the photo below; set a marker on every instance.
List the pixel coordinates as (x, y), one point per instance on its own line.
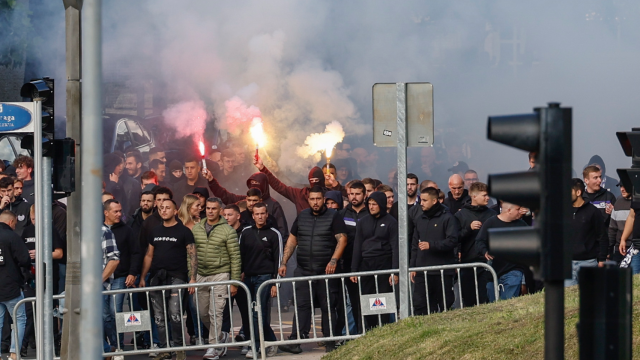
(392, 308)
(181, 288)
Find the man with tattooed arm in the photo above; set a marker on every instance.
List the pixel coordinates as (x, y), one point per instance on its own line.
(319, 234)
(170, 246)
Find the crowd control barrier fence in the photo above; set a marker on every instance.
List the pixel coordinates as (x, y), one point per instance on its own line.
(371, 304)
(140, 320)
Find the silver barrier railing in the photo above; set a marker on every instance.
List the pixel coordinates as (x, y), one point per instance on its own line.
(164, 288)
(341, 277)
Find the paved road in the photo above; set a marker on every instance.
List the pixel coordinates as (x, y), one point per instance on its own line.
(310, 351)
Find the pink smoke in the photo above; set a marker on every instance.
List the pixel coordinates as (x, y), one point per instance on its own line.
(238, 115)
(186, 118)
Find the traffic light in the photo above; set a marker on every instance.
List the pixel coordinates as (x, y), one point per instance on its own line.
(545, 190)
(630, 177)
(43, 90)
(64, 165)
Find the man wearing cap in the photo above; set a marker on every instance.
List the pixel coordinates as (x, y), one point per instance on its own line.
(376, 248)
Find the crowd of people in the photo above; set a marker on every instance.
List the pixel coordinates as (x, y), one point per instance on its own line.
(194, 225)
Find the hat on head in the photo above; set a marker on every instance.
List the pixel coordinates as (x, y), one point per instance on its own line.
(201, 191)
(175, 165)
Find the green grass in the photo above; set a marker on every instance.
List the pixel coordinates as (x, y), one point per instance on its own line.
(512, 329)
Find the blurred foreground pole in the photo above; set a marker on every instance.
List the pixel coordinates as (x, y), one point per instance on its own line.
(71, 326)
(91, 339)
(605, 313)
(403, 244)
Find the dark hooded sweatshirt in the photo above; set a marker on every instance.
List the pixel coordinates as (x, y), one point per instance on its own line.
(129, 247)
(455, 205)
(589, 237)
(260, 182)
(376, 236)
(336, 196)
(351, 220)
(22, 209)
(468, 214)
(298, 196)
(440, 229)
(600, 199)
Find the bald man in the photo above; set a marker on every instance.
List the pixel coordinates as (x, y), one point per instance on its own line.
(458, 195)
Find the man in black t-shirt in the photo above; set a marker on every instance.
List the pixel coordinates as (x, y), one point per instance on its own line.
(320, 236)
(169, 246)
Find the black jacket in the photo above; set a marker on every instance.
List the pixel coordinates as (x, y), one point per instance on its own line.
(261, 250)
(482, 242)
(135, 223)
(455, 205)
(129, 247)
(13, 256)
(351, 219)
(441, 230)
(127, 191)
(589, 237)
(29, 191)
(468, 214)
(376, 237)
(600, 199)
(182, 188)
(22, 209)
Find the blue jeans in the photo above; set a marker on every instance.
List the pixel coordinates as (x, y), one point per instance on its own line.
(635, 264)
(116, 284)
(21, 320)
(575, 268)
(108, 317)
(509, 286)
(253, 283)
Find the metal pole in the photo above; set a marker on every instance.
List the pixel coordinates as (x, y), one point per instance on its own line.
(71, 325)
(47, 245)
(40, 264)
(403, 246)
(554, 320)
(91, 345)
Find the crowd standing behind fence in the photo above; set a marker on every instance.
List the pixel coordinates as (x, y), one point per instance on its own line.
(343, 228)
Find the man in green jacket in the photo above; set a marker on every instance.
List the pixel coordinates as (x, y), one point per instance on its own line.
(218, 260)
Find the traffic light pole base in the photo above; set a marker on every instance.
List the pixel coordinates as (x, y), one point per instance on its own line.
(554, 320)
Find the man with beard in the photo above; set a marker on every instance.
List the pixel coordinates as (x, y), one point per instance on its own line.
(166, 257)
(147, 203)
(376, 248)
(124, 188)
(298, 196)
(193, 179)
(16, 205)
(412, 195)
(133, 164)
(471, 218)
(351, 215)
(589, 237)
(458, 196)
(256, 181)
(435, 237)
(319, 234)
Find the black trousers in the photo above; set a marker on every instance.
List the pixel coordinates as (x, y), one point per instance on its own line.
(369, 287)
(468, 284)
(437, 301)
(326, 304)
(240, 299)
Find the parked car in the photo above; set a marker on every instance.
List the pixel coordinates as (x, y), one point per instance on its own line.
(122, 131)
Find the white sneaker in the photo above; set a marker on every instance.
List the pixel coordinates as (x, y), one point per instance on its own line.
(118, 357)
(244, 350)
(154, 354)
(211, 354)
(272, 350)
(249, 354)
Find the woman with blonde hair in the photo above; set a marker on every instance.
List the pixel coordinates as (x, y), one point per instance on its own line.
(189, 212)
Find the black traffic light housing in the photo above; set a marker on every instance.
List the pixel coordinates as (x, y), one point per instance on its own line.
(630, 177)
(43, 90)
(64, 165)
(545, 190)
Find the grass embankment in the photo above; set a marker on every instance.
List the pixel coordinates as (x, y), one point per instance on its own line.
(510, 329)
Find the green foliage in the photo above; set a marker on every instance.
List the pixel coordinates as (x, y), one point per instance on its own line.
(15, 32)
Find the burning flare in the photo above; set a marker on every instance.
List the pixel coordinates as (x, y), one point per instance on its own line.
(257, 132)
(201, 146)
(204, 163)
(318, 142)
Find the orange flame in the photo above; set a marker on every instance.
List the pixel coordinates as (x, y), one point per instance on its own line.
(257, 132)
(201, 145)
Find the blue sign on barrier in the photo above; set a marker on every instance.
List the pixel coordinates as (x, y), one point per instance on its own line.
(13, 117)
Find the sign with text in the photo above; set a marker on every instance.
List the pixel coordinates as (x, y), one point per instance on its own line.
(16, 117)
(419, 117)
